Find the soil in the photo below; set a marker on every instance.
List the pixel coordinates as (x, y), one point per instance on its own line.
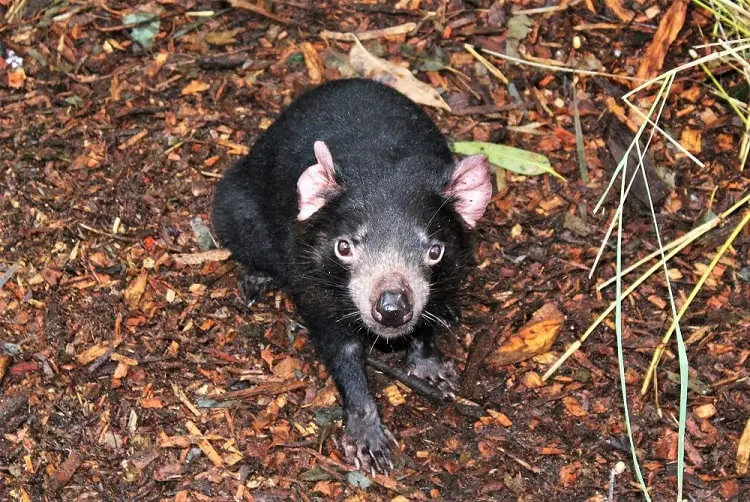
(127, 374)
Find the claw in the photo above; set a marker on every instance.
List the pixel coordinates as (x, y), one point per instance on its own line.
(439, 373)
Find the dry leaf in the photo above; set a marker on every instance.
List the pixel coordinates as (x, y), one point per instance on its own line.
(65, 471)
(394, 76)
(156, 65)
(536, 337)
(573, 407)
(324, 488)
(194, 87)
(223, 37)
(666, 446)
(497, 418)
(287, 368)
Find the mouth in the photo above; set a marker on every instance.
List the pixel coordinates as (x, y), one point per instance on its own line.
(389, 332)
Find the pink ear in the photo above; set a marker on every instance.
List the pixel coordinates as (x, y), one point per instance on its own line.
(471, 188)
(317, 183)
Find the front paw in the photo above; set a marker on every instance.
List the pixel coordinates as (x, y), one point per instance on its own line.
(253, 287)
(366, 442)
(437, 371)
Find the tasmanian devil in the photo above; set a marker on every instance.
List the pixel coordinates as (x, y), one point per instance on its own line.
(353, 202)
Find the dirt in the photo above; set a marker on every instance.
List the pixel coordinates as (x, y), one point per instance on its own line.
(126, 375)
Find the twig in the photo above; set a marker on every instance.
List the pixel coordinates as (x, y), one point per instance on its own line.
(391, 31)
(415, 384)
(245, 5)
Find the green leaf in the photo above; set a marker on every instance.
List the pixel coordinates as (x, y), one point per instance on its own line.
(358, 480)
(315, 474)
(74, 101)
(506, 157)
(519, 26)
(145, 27)
(296, 58)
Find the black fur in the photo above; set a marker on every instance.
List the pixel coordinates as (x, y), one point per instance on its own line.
(393, 163)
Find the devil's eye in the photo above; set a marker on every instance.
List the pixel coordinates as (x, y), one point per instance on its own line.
(435, 254)
(343, 249)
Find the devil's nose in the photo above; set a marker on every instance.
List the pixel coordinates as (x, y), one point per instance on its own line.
(392, 309)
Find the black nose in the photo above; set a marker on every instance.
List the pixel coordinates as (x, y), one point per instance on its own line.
(392, 309)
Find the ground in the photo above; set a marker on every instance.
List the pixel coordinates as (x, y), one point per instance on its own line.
(128, 374)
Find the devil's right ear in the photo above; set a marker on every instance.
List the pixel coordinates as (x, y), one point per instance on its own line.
(317, 184)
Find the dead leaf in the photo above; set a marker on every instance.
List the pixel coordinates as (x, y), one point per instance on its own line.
(135, 289)
(666, 446)
(65, 471)
(195, 87)
(287, 368)
(394, 76)
(536, 337)
(324, 488)
(223, 37)
(573, 407)
(496, 418)
(669, 27)
(156, 65)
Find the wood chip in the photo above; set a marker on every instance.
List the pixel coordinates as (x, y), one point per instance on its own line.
(269, 389)
(670, 25)
(4, 365)
(204, 445)
(743, 451)
(313, 62)
(184, 400)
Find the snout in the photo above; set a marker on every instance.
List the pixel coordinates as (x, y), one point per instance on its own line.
(393, 308)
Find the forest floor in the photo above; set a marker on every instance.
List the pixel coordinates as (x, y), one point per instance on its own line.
(128, 374)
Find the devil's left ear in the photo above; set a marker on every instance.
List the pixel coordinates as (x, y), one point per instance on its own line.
(470, 188)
